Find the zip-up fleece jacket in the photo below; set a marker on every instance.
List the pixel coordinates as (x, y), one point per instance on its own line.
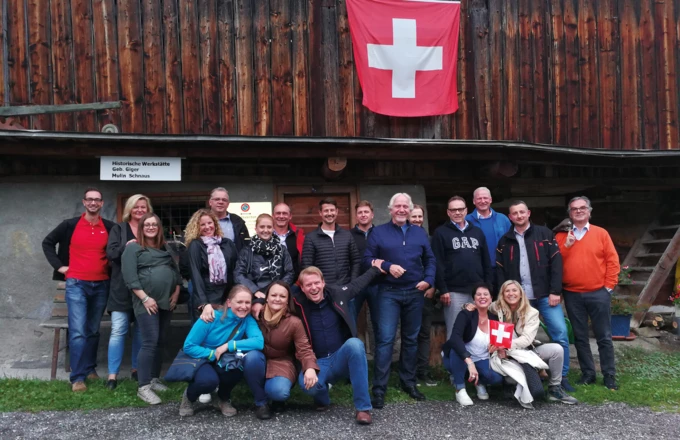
(338, 296)
(411, 251)
(337, 258)
(545, 260)
(462, 258)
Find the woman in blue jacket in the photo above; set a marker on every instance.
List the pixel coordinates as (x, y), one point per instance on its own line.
(210, 340)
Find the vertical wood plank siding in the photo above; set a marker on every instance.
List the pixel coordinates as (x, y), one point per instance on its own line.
(583, 73)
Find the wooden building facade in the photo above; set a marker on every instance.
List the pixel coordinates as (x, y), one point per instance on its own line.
(580, 73)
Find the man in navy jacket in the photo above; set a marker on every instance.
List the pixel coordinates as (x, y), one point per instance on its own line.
(462, 260)
(410, 266)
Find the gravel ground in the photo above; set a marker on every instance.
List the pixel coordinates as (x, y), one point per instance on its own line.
(433, 420)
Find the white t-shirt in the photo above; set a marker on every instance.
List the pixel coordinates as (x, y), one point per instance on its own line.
(331, 234)
(479, 346)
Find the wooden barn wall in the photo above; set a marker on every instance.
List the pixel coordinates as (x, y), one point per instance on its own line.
(585, 73)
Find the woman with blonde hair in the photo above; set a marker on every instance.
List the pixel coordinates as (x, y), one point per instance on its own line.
(513, 307)
(232, 331)
(120, 298)
(152, 275)
(212, 259)
(263, 261)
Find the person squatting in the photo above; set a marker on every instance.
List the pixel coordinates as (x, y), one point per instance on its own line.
(279, 308)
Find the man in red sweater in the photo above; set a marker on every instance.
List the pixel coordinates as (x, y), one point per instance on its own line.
(590, 273)
(76, 249)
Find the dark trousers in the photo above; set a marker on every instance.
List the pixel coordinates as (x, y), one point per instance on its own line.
(210, 376)
(424, 338)
(596, 306)
(154, 332)
(396, 305)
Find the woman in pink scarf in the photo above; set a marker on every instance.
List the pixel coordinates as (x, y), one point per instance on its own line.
(212, 259)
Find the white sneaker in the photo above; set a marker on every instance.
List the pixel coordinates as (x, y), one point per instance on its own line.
(481, 392)
(146, 394)
(205, 398)
(157, 385)
(463, 398)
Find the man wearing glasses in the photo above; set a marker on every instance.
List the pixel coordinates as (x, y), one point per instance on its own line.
(462, 260)
(232, 225)
(590, 273)
(81, 260)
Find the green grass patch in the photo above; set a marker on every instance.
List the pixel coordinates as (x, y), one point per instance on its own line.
(645, 379)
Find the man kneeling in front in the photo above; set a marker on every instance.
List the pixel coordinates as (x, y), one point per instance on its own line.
(332, 332)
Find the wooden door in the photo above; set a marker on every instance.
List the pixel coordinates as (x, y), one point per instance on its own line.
(304, 204)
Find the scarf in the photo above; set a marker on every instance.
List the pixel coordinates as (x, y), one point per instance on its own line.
(273, 319)
(272, 251)
(216, 264)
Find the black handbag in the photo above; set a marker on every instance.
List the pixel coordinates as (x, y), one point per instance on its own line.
(184, 367)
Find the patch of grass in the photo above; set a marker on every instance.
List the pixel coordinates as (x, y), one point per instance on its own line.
(645, 379)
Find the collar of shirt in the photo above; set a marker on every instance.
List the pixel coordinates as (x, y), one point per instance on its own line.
(464, 226)
(479, 214)
(521, 234)
(585, 228)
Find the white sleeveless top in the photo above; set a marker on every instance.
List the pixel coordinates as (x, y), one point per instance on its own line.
(478, 347)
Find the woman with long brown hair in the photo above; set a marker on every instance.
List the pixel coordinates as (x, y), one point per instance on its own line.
(212, 259)
(152, 275)
(285, 340)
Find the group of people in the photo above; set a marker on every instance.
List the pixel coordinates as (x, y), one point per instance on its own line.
(281, 307)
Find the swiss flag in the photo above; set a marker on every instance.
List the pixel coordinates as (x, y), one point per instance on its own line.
(501, 334)
(406, 53)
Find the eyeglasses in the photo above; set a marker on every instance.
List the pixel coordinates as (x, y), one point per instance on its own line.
(455, 210)
(578, 208)
(90, 200)
(150, 226)
(217, 199)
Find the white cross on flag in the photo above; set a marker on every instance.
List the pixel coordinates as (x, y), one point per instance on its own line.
(501, 334)
(406, 53)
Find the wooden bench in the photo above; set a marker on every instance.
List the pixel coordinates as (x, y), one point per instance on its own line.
(59, 321)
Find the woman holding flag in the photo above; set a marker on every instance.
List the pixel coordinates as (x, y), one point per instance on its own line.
(466, 353)
(513, 307)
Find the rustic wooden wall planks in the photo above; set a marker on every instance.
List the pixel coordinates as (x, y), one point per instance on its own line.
(584, 73)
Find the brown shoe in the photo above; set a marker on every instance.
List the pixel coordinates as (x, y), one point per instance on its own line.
(93, 376)
(78, 387)
(364, 418)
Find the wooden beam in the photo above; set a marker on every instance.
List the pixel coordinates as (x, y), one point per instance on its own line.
(25, 110)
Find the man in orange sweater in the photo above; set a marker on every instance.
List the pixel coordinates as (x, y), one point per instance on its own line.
(590, 273)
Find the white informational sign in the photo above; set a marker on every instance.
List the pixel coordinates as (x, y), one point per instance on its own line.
(249, 211)
(140, 168)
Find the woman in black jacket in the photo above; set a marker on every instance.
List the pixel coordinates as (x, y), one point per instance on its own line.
(263, 261)
(212, 259)
(466, 353)
(120, 299)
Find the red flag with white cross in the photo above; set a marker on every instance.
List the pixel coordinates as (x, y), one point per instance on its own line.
(406, 54)
(501, 334)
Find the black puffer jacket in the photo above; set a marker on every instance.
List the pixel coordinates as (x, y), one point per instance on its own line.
(338, 259)
(248, 271)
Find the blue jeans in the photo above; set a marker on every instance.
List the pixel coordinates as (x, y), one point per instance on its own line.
(458, 368)
(553, 317)
(277, 388)
(120, 323)
(348, 362)
(395, 304)
(86, 302)
(370, 296)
